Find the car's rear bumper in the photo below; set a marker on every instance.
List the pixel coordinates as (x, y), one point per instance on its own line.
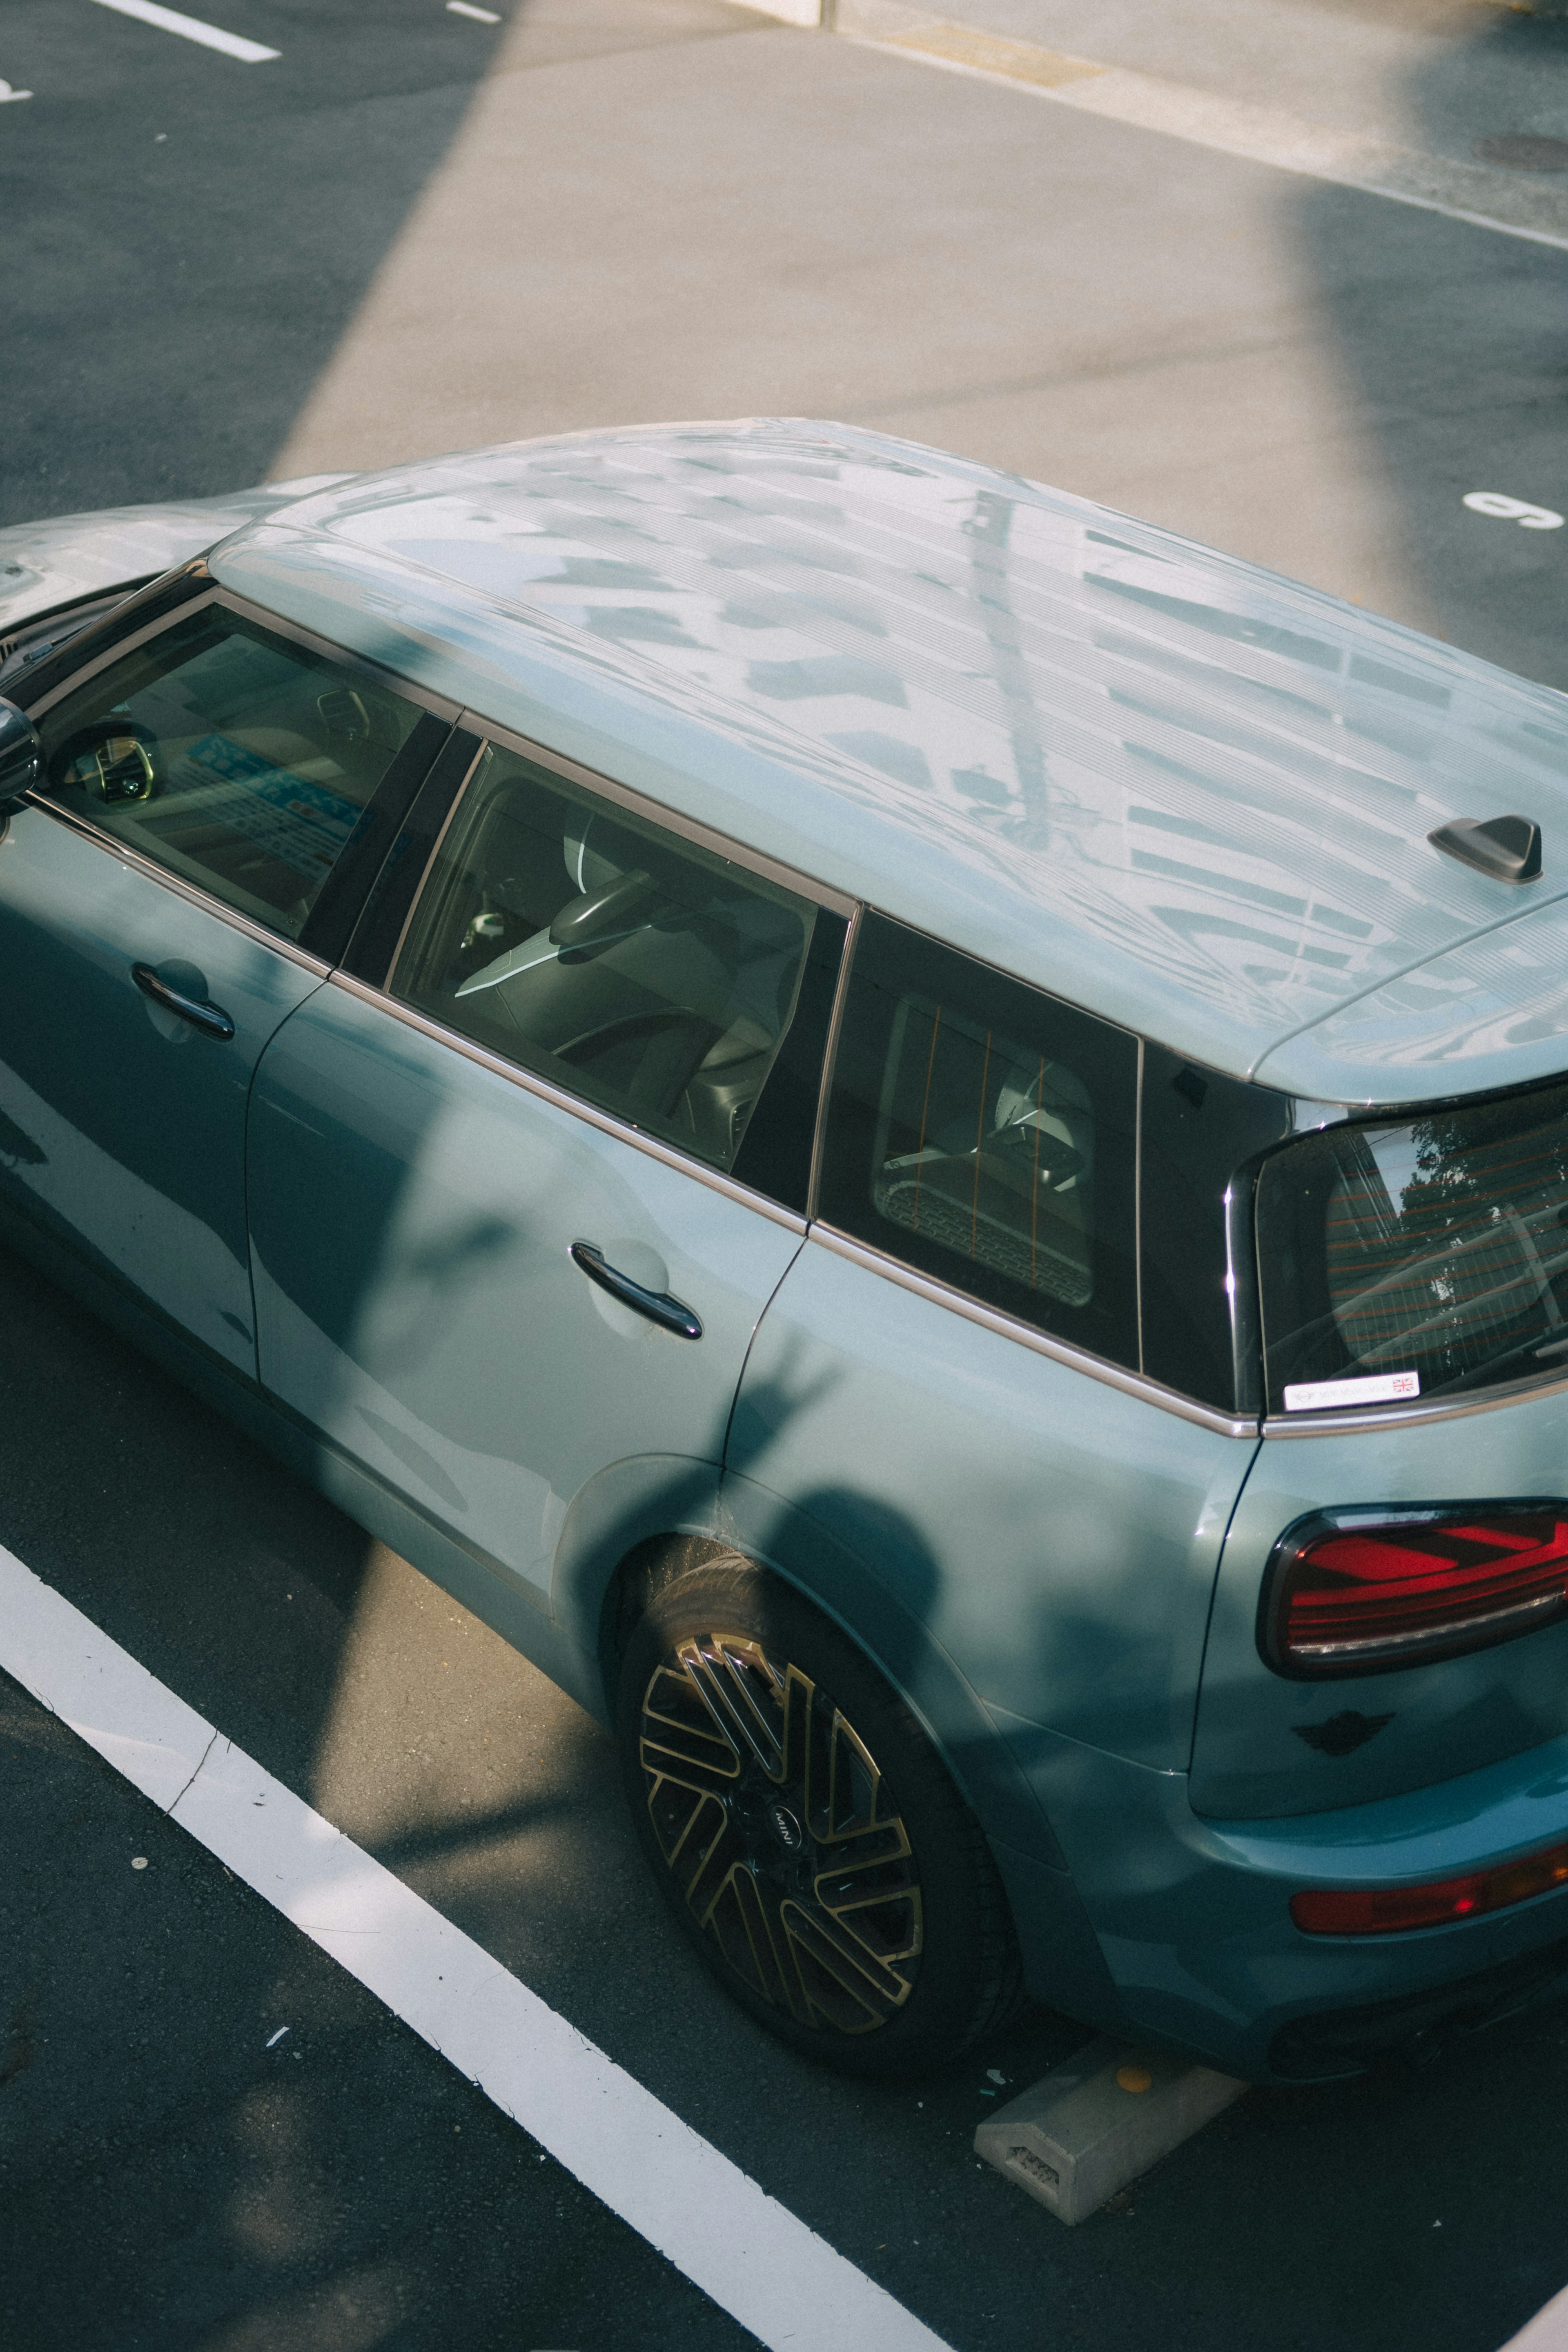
(1191, 1916)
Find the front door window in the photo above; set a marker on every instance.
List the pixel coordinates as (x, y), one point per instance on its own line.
(230, 757)
(650, 976)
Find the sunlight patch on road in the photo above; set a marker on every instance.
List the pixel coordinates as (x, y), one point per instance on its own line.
(747, 2252)
(1477, 193)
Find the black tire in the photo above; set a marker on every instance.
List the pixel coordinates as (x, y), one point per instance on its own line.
(806, 1834)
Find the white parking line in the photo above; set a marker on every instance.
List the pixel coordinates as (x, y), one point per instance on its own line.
(191, 28)
(1547, 2331)
(746, 2251)
(480, 16)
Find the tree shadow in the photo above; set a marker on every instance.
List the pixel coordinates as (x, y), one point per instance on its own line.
(1452, 340)
(190, 238)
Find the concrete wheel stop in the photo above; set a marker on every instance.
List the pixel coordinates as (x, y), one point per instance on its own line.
(1097, 2121)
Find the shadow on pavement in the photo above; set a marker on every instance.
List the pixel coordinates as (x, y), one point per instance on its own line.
(199, 233)
(1453, 343)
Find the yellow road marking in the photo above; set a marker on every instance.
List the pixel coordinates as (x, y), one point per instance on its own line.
(991, 52)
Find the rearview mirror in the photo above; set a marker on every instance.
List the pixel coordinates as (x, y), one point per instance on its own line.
(21, 754)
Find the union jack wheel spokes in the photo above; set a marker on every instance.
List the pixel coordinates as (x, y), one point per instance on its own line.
(773, 1818)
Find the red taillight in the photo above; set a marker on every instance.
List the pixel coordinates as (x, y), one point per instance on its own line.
(1359, 1591)
(1389, 1910)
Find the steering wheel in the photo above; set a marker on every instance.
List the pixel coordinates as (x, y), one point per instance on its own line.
(114, 760)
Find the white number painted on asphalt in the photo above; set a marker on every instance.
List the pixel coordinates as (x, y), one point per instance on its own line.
(191, 28)
(1519, 510)
(480, 16)
(9, 96)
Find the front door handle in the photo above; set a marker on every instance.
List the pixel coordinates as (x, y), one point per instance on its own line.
(210, 1019)
(656, 1304)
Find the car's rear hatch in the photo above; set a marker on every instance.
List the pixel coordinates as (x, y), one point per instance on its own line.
(1267, 1745)
(1414, 1287)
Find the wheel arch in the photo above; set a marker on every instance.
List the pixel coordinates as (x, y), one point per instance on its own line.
(647, 1519)
(629, 1517)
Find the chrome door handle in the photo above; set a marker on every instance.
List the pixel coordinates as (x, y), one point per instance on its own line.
(210, 1019)
(656, 1304)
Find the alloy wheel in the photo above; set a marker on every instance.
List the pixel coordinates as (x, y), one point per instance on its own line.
(774, 1819)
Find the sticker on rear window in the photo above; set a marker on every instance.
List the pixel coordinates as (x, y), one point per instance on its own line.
(1378, 1388)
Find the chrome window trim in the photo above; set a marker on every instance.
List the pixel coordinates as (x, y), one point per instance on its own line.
(126, 645)
(416, 899)
(561, 1100)
(1139, 1203)
(831, 1057)
(113, 847)
(97, 604)
(1007, 1327)
(1348, 1423)
(655, 812)
(374, 673)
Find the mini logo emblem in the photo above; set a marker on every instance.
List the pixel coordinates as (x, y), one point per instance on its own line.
(785, 1827)
(1341, 1735)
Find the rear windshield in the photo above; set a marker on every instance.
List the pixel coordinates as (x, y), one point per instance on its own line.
(1417, 1259)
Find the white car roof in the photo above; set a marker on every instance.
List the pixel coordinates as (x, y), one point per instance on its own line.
(1176, 789)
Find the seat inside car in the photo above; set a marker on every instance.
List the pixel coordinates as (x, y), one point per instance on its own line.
(656, 977)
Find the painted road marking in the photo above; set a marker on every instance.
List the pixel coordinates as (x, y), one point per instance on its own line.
(745, 2250)
(1519, 510)
(191, 28)
(1477, 193)
(1547, 2331)
(8, 97)
(480, 16)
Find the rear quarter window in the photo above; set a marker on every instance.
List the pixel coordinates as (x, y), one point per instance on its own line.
(1200, 1133)
(1417, 1258)
(985, 1134)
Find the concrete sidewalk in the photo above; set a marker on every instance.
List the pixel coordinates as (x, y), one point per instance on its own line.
(753, 219)
(1432, 75)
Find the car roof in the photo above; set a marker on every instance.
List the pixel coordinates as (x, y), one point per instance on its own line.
(1155, 780)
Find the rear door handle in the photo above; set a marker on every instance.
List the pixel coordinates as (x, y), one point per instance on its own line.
(210, 1019)
(659, 1307)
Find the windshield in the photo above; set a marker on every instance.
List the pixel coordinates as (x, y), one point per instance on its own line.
(1404, 1261)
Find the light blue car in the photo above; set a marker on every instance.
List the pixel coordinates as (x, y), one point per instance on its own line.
(918, 1135)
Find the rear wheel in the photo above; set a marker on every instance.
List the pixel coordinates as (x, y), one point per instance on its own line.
(805, 1833)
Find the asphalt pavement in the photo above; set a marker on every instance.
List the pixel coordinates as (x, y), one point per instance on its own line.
(413, 230)
(168, 2180)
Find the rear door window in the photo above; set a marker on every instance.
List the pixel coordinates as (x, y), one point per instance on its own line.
(984, 1133)
(652, 976)
(230, 757)
(1417, 1258)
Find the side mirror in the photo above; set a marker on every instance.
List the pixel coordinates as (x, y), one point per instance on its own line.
(21, 755)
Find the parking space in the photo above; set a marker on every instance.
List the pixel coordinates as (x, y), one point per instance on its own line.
(622, 209)
(198, 231)
(255, 2152)
(421, 225)
(1414, 2202)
